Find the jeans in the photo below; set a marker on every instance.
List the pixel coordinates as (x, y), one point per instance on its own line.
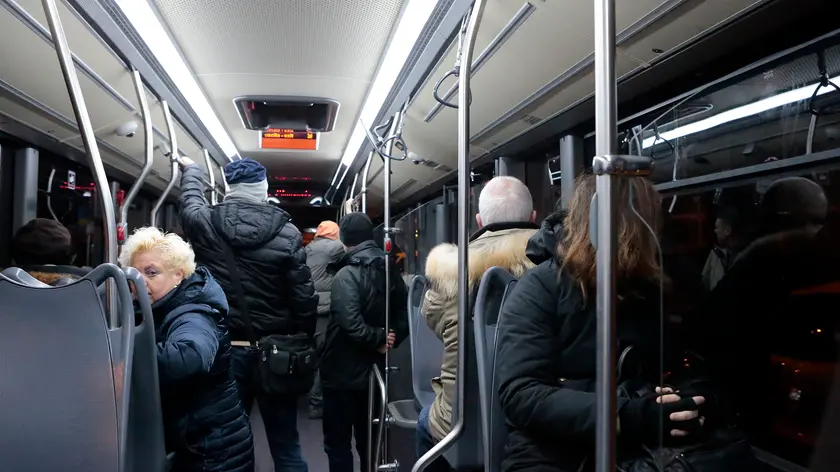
(279, 414)
(345, 417)
(425, 442)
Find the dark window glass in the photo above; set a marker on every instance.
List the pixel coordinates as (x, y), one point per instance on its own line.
(759, 303)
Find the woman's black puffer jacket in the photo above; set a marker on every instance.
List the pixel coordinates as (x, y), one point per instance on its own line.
(546, 366)
(205, 423)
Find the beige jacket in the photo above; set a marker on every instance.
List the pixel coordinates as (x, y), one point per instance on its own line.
(504, 248)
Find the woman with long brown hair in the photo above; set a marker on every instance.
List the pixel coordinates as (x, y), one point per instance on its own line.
(547, 342)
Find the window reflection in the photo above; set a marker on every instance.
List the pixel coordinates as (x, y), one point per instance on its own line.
(761, 118)
(768, 327)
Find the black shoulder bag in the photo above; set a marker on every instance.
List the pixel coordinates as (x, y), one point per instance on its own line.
(286, 364)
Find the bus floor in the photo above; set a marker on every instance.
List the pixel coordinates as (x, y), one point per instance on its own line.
(401, 442)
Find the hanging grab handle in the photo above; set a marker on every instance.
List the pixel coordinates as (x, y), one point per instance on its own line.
(456, 69)
(825, 82)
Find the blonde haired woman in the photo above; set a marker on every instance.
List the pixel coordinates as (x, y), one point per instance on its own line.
(206, 426)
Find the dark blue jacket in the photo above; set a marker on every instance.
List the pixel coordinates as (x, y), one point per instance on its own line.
(206, 425)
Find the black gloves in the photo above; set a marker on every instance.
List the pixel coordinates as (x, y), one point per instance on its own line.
(641, 418)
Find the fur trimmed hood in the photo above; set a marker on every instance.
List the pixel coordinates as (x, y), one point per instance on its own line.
(504, 248)
(54, 279)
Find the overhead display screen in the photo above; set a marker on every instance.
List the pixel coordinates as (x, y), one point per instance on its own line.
(288, 139)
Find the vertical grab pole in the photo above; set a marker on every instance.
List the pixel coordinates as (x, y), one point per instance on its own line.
(148, 152)
(463, 233)
(353, 187)
(224, 179)
(209, 164)
(173, 157)
(606, 255)
(365, 181)
(71, 80)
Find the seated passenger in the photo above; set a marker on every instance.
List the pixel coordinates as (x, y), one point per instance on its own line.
(547, 344)
(205, 424)
(44, 248)
(506, 220)
(356, 339)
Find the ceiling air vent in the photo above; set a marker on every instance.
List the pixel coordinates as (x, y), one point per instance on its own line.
(294, 113)
(531, 119)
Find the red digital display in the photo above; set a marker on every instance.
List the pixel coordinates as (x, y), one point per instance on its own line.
(277, 138)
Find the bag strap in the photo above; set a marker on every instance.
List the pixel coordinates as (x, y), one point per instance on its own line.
(242, 301)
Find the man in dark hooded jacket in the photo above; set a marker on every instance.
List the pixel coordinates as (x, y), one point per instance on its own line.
(356, 339)
(275, 279)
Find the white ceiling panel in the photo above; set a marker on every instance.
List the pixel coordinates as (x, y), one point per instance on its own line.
(320, 48)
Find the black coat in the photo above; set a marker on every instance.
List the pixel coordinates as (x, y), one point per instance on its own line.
(546, 366)
(271, 260)
(357, 318)
(205, 423)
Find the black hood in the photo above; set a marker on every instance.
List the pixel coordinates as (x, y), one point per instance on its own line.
(248, 225)
(363, 253)
(198, 293)
(543, 244)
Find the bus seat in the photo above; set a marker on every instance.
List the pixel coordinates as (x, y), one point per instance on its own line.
(145, 434)
(495, 286)
(66, 394)
(21, 276)
(467, 453)
(426, 348)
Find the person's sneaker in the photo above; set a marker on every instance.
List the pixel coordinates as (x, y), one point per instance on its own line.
(315, 412)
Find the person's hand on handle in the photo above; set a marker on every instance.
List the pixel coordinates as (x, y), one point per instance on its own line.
(185, 161)
(669, 396)
(679, 416)
(389, 343)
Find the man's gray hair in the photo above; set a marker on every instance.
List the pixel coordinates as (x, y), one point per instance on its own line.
(505, 199)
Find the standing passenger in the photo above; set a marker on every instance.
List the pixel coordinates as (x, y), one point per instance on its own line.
(506, 220)
(356, 340)
(275, 280)
(204, 421)
(321, 255)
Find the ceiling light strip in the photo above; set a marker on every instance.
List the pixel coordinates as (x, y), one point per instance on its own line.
(154, 35)
(751, 109)
(407, 32)
(515, 22)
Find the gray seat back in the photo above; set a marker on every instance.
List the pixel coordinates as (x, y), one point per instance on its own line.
(495, 286)
(467, 454)
(426, 348)
(66, 377)
(147, 452)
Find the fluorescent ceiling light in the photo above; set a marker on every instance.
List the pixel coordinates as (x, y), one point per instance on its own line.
(412, 21)
(734, 114)
(146, 23)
